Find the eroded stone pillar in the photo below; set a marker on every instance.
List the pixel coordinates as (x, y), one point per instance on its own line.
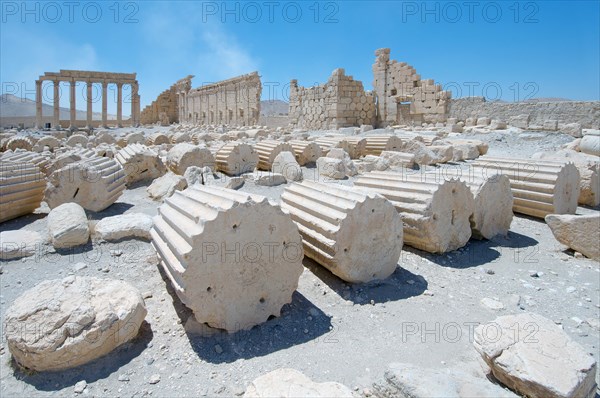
(38, 104)
(56, 120)
(89, 105)
(104, 104)
(72, 103)
(119, 104)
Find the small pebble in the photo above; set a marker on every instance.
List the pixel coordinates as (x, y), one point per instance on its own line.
(154, 379)
(80, 386)
(218, 349)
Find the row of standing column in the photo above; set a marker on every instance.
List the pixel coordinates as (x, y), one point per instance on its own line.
(135, 104)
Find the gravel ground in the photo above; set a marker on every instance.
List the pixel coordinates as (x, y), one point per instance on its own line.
(332, 331)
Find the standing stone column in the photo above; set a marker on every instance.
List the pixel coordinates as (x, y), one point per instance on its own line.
(119, 104)
(72, 103)
(134, 103)
(104, 104)
(89, 105)
(56, 121)
(38, 104)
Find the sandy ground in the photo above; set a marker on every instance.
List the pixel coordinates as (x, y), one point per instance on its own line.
(332, 331)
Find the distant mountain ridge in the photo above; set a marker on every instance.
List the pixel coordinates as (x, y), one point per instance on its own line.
(274, 108)
(13, 106)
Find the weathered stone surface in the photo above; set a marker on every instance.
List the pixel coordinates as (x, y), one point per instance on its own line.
(105, 138)
(197, 175)
(20, 243)
(399, 159)
(539, 187)
(285, 163)
(62, 324)
(357, 235)
(183, 155)
(573, 129)
(349, 166)
(290, 383)
(236, 158)
(21, 189)
(436, 214)
(493, 212)
(163, 187)
(332, 168)
(306, 151)
(140, 163)
(357, 146)
(131, 225)
(267, 151)
(68, 226)
(269, 179)
(135, 138)
(233, 258)
(590, 144)
(407, 380)
(580, 232)
(444, 153)
(94, 183)
(534, 357)
(422, 154)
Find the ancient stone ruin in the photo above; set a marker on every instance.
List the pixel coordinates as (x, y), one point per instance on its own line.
(74, 76)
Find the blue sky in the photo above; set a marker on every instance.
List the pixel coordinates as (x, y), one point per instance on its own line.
(509, 50)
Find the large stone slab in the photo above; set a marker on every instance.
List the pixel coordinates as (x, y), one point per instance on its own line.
(407, 380)
(132, 225)
(580, 232)
(183, 155)
(62, 324)
(20, 243)
(290, 383)
(534, 357)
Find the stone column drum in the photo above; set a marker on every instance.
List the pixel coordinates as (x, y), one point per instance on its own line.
(435, 213)
(357, 235)
(233, 258)
(21, 189)
(267, 151)
(539, 187)
(236, 158)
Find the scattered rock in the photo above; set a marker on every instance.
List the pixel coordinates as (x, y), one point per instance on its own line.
(269, 179)
(19, 243)
(492, 304)
(77, 320)
(287, 383)
(579, 232)
(154, 379)
(80, 387)
(163, 187)
(285, 163)
(68, 226)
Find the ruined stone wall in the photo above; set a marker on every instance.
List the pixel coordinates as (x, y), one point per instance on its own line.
(402, 97)
(235, 102)
(585, 113)
(341, 102)
(165, 108)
